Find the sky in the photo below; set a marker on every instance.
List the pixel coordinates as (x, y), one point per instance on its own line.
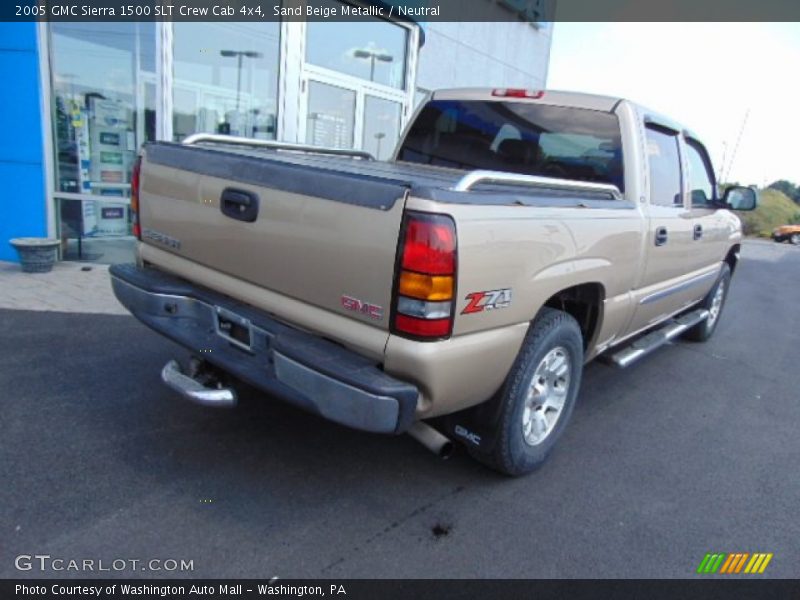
(717, 79)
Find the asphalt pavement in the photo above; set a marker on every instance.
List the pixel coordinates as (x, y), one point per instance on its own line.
(695, 449)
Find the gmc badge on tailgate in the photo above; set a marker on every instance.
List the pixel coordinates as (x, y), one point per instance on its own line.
(161, 238)
(373, 311)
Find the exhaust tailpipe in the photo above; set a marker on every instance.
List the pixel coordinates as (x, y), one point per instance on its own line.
(434, 441)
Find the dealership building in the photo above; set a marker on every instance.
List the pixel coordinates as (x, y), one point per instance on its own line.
(81, 97)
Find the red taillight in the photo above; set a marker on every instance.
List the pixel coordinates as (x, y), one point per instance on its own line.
(517, 93)
(137, 167)
(437, 328)
(425, 281)
(430, 246)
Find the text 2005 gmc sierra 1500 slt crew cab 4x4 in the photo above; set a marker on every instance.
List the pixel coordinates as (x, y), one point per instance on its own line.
(514, 236)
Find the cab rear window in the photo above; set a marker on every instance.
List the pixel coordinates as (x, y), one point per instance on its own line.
(518, 137)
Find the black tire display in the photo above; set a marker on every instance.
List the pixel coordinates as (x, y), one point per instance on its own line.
(714, 302)
(539, 394)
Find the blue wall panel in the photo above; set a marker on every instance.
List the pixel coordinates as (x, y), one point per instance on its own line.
(22, 193)
(20, 116)
(17, 36)
(22, 186)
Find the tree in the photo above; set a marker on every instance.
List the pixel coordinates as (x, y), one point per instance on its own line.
(788, 188)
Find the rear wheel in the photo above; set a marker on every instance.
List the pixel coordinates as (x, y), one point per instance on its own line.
(795, 239)
(714, 302)
(539, 394)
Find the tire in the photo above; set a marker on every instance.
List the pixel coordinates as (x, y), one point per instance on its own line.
(795, 239)
(530, 423)
(714, 305)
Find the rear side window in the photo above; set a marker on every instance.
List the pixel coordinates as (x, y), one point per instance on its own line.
(519, 137)
(665, 167)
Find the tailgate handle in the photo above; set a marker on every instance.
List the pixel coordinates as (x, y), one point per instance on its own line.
(239, 205)
(698, 232)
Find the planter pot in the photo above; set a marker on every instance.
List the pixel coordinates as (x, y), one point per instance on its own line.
(36, 255)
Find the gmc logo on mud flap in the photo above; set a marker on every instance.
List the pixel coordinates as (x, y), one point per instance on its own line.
(467, 435)
(480, 301)
(373, 311)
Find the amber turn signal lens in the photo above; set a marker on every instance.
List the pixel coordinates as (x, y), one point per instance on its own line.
(433, 288)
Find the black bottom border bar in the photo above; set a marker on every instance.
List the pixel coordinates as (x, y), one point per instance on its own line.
(710, 588)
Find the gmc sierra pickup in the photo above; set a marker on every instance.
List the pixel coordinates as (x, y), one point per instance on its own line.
(514, 236)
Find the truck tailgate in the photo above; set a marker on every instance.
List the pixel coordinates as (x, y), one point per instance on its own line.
(323, 236)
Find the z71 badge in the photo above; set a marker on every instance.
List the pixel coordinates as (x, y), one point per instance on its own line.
(480, 301)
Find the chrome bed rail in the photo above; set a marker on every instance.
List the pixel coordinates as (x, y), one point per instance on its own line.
(468, 181)
(213, 138)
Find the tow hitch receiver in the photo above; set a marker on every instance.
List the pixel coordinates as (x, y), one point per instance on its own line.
(237, 330)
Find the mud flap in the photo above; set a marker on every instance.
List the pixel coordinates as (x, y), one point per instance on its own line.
(475, 427)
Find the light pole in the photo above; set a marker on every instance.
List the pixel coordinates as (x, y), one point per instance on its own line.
(379, 136)
(372, 56)
(239, 54)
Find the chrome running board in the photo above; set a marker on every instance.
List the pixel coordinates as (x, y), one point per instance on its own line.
(657, 338)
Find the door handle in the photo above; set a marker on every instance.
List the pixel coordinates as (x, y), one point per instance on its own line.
(239, 205)
(698, 232)
(661, 236)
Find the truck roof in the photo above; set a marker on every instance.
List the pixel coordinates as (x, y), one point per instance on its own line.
(555, 97)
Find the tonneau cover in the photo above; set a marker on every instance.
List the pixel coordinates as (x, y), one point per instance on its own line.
(368, 183)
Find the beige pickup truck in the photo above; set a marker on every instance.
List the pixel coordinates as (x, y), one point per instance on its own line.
(452, 292)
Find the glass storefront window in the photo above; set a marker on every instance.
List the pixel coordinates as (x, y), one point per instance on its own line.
(103, 108)
(420, 95)
(381, 126)
(225, 79)
(370, 50)
(331, 115)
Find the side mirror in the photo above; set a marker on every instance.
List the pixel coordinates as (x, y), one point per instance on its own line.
(738, 197)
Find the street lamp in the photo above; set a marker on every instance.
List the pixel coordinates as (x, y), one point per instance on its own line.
(239, 54)
(379, 136)
(372, 56)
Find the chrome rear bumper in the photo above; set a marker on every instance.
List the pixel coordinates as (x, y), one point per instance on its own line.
(310, 372)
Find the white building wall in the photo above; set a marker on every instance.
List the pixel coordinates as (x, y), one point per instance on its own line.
(504, 54)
